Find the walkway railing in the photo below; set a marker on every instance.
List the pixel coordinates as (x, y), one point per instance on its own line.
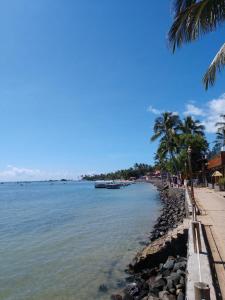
(201, 289)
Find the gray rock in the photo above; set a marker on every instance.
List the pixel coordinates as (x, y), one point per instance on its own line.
(178, 291)
(182, 280)
(179, 286)
(172, 291)
(182, 273)
(179, 266)
(169, 263)
(163, 294)
(159, 284)
(151, 298)
(175, 277)
(103, 288)
(181, 296)
(131, 289)
(170, 284)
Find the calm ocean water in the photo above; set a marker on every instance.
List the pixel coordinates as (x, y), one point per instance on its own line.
(61, 241)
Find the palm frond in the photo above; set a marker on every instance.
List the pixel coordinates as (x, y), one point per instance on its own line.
(194, 18)
(155, 136)
(216, 65)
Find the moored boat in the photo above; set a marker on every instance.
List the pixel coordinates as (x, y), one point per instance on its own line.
(113, 186)
(102, 184)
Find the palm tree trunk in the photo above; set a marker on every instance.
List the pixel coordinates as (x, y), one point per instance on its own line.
(174, 162)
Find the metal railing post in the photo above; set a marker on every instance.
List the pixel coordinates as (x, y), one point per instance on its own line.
(202, 291)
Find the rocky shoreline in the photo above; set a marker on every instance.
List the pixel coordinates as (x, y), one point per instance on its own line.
(173, 211)
(158, 271)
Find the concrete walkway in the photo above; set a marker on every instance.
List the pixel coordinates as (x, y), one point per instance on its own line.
(212, 206)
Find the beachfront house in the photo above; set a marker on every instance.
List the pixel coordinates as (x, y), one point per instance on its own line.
(216, 164)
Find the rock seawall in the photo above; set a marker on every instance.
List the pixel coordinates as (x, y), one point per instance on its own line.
(158, 271)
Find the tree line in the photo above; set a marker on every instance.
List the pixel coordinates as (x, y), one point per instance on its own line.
(136, 171)
(176, 136)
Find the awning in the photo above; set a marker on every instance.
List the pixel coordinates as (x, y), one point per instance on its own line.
(217, 174)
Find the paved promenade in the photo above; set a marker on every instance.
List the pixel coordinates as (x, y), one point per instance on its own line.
(212, 205)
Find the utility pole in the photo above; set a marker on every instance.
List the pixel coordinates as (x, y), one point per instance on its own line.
(190, 173)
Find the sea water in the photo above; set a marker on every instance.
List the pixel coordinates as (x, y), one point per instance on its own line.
(63, 240)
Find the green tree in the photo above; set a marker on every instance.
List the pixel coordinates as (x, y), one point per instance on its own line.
(166, 127)
(194, 18)
(191, 126)
(220, 135)
(199, 148)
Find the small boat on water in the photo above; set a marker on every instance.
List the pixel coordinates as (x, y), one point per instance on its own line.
(100, 185)
(117, 184)
(113, 186)
(107, 185)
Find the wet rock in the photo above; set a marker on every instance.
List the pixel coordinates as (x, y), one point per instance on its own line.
(103, 288)
(131, 289)
(130, 278)
(120, 284)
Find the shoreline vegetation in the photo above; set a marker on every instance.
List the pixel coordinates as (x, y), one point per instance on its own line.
(137, 171)
(158, 270)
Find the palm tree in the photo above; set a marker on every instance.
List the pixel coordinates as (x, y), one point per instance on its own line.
(191, 126)
(220, 135)
(194, 18)
(166, 127)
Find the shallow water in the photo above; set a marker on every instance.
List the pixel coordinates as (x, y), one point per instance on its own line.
(61, 241)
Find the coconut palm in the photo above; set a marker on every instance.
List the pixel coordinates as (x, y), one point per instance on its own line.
(191, 126)
(220, 135)
(166, 127)
(194, 18)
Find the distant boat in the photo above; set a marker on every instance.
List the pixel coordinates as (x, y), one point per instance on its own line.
(113, 186)
(110, 184)
(100, 185)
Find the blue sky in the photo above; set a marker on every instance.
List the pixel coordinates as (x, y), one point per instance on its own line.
(81, 83)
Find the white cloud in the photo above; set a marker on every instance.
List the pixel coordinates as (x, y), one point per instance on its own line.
(209, 114)
(13, 173)
(156, 111)
(215, 108)
(192, 109)
(153, 110)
